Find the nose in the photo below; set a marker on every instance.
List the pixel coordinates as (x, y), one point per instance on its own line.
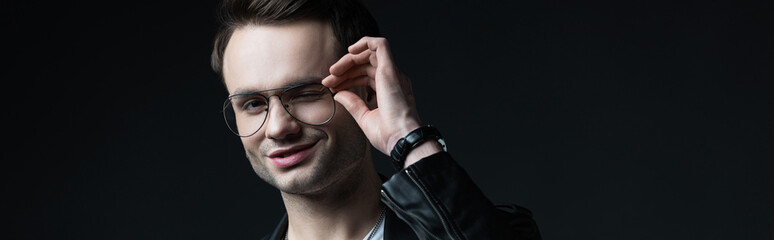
(280, 125)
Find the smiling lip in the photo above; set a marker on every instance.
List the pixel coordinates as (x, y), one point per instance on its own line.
(285, 158)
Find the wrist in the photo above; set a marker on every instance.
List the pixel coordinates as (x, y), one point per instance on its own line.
(402, 132)
(417, 144)
(424, 150)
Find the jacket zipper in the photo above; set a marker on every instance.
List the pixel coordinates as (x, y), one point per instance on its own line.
(444, 221)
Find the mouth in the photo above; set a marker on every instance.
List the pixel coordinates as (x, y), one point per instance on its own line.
(285, 158)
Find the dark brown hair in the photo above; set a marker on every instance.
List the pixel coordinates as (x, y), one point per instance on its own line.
(349, 19)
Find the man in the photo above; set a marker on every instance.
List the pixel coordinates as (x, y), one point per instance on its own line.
(309, 94)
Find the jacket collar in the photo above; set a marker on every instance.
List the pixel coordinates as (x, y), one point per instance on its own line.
(394, 227)
(280, 230)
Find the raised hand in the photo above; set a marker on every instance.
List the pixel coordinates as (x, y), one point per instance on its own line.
(369, 63)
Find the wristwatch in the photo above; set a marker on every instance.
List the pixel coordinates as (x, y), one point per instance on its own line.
(412, 140)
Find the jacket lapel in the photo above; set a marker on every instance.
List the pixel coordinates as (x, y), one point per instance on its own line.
(280, 230)
(396, 229)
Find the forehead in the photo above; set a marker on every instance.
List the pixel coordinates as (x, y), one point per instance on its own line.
(269, 56)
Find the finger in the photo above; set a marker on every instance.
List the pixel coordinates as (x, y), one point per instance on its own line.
(367, 43)
(373, 59)
(333, 81)
(378, 45)
(359, 46)
(328, 81)
(362, 70)
(354, 105)
(349, 60)
(355, 82)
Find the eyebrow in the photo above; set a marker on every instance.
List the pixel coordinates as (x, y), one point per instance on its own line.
(294, 82)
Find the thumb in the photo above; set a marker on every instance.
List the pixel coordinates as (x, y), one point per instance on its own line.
(353, 103)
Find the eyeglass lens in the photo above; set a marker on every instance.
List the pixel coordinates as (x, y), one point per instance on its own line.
(311, 104)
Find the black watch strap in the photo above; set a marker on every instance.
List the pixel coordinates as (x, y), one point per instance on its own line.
(412, 140)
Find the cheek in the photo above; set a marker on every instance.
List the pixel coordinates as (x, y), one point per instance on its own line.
(252, 152)
(252, 143)
(246, 142)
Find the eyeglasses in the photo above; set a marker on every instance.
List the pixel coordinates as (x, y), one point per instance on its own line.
(310, 104)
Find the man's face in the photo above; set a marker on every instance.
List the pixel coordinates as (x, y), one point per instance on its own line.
(311, 158)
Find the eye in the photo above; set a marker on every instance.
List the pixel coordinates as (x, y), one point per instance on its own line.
(255, 105)
(309, 94)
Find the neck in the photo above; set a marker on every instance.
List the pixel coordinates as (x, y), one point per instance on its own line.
(347, 210)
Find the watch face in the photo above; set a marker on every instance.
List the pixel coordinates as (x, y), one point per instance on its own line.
(443, 144)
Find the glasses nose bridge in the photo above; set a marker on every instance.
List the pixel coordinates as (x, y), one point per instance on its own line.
(237, 105)
(284, 107)
(279, 97)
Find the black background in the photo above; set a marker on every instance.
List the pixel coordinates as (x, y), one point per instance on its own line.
(609, 120)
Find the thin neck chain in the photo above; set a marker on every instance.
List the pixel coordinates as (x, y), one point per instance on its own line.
(373, 230)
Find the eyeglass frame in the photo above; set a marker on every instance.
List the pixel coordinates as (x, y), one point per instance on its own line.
(268, 105)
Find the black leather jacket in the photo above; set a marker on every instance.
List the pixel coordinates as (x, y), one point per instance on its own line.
(436, 199)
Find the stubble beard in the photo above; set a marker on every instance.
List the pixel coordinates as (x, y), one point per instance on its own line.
(331, 166)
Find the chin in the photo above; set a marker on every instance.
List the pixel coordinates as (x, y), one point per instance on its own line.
(303, 178)
(314, 178)
(332, 166)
